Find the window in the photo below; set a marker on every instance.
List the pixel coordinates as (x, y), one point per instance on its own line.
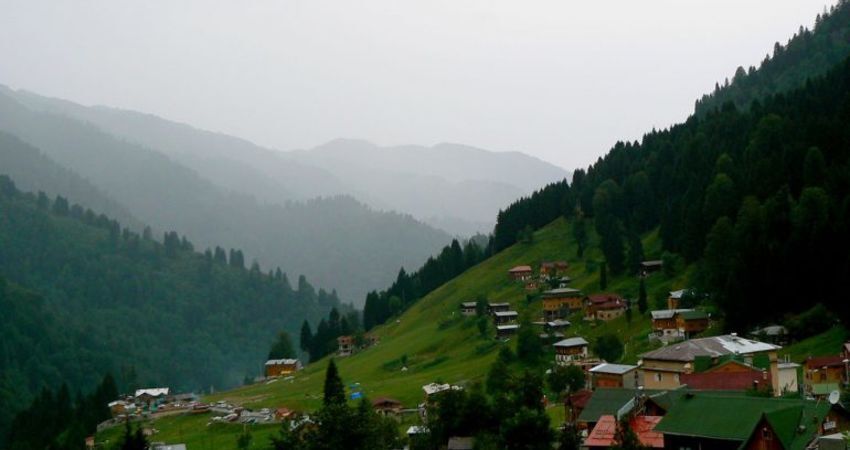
(766, 434)
(657, 376)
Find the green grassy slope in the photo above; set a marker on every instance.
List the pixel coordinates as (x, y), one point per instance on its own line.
(441, 345)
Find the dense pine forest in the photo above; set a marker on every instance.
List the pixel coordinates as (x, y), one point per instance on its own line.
(759, 198)
(83, 297)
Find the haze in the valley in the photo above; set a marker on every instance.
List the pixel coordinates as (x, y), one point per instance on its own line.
(555, 79)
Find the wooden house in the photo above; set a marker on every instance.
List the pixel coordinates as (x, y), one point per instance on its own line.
(505, 317)
(557, 302)
(346, 345)
(468, 308)
(549, 269)
(614, 376)
(498, 307)
(505, 331)
(692, 322)
(674, 300)
(387, 407)
(648, 267)
(520, 273)
(571, 350)
(281, 367)
(823, 374)
(604, 307)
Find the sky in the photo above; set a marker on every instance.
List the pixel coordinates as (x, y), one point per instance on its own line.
(561, 80)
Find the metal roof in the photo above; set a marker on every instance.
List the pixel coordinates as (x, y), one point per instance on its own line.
(711, 346)
(571, 342)
(616, 369)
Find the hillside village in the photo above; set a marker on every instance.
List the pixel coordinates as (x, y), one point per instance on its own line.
(674, 395)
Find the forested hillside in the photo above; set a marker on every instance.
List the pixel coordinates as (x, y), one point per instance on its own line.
(807, 54)
(84, 297)
(336, 241)
(759, 198)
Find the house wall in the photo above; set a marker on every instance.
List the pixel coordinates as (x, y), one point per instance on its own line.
(660, 379)
(692, 326)
(664, 324)
(763, 438)
(674, 442)
(788, 380)
(609, 314)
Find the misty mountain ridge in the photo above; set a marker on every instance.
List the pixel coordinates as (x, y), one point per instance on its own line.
(454, 187)
(335, 241)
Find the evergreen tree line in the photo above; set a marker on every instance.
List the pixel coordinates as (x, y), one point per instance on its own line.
(56, 421)
(753, 196)
(807, 54)
(89, 297)
(453, 260)
(324, 341)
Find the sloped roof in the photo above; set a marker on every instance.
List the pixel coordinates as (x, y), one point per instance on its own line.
(694, 315)
(616, 369)
(721, 416)
(571, 342)
(605, 432)
(520, 269)
(817, 362)
(153, 392)
(604, 298)
(278, 362)
(667, 313)
(562, 292)
(725, 381)
(505, 313)
(710, 346)
(468, 305)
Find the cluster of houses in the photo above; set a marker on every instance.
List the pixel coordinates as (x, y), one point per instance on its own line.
(719, 392)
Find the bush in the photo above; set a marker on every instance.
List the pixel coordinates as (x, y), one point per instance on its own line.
(608, 347)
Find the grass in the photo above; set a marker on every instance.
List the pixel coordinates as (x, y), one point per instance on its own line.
(827, 343)
(440, 345)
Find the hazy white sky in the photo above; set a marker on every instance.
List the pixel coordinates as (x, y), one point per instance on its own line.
(562, 80)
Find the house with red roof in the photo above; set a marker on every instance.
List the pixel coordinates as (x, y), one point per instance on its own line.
(520, 273)
(604, 307)
(606, 432)
(824, 374)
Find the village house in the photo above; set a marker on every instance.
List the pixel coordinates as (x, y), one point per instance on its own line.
(618, 401)
(435, 388)
(505, 331)
(775, 334)
(674, 300)
(608, 375)
(557, 302)
(731, 375)
(532, 285)
(648, 267)
(564, 281)
(691, 323)
(571, 350)
(662, 368)
(520, 273)
(505, 317)
(498, 307)
(679, 323)
(714, 420)
(282, 367)
(606, 431)
(387, 407)
(283, 413)
(468, 308)
(551, 269)
(824, 374)
(152, 397)
(604, 307)
(346, 345)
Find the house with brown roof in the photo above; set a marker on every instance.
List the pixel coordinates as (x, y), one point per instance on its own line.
(559, 302)
(662, 368)
(751, 378)
(520, 273)
(550, 269)
(604, 307)
(388, 407)
(670, 324)
(346, 345)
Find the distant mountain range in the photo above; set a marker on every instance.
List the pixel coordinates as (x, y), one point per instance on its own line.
(347, 214)
(454, 187)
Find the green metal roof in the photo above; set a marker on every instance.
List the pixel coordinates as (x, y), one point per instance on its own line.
(729, 417)
(694, 315)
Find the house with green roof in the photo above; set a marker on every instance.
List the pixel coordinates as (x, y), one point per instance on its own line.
(700, 419)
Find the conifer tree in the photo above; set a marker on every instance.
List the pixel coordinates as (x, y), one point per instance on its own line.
(334, 389)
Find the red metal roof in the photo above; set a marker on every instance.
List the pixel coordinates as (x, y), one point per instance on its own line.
(604, 298)
(725, 381)
(605, 432)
